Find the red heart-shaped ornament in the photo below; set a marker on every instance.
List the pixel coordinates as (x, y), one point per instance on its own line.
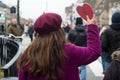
(84, 10)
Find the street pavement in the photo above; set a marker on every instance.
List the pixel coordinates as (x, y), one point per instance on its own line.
(94, 69)
(25, 42)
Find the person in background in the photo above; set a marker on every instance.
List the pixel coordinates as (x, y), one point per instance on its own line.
(2, 29)
(26, 28)
(30, 30)
(103, 52)
(13, 28)
(51, 57)
(111, 38)
(113, 71)
(79, 38)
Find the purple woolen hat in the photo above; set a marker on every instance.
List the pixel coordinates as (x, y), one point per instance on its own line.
(47, 23)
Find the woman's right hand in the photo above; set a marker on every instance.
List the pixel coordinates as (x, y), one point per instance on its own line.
(91, 21)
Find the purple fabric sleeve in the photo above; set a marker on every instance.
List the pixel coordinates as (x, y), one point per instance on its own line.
(85, 55)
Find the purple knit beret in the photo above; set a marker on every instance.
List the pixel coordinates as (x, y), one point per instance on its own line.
(47, 23)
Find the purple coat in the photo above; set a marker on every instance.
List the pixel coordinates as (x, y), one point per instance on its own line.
(76, 56)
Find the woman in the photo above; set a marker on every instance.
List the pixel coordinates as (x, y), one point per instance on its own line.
(50, 57)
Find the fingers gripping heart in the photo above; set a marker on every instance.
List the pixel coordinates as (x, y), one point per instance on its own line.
(85, 10)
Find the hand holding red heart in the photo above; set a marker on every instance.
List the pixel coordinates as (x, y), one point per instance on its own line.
(85, 10)
(91, 21)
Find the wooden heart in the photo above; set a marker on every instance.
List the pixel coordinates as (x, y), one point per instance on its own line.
(85, 9)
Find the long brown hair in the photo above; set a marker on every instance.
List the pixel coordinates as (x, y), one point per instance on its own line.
(44, 55)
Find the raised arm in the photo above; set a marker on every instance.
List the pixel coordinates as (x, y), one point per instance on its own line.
(85, 55)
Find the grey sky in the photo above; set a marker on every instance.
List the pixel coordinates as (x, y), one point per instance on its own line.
(34, 8)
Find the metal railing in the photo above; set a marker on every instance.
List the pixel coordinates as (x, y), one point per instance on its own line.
(10, 50)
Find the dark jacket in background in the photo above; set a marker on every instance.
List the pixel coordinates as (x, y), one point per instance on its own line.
(111, 40)
(78, 35)
(13, 29)
(113, 71)
(30, 30)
